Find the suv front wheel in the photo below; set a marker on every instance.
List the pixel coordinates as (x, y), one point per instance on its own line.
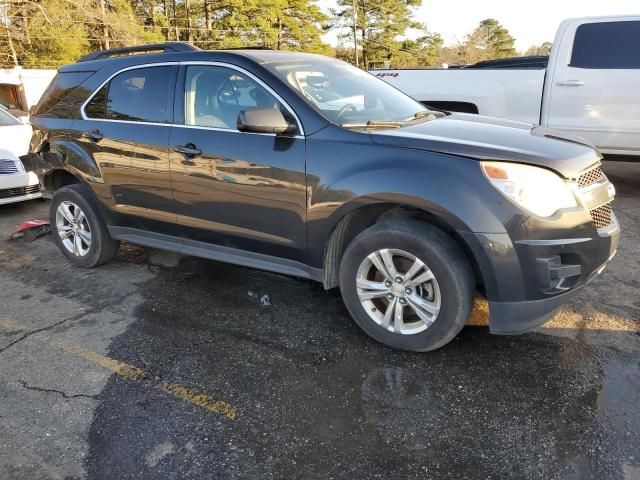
(78, 229)
(407, 284)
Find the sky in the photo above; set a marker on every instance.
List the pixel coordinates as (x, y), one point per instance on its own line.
(530, 22)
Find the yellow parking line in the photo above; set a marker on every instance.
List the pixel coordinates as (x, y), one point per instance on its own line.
(121, 369)
(199, 399)
(130, 372)
(12, 326)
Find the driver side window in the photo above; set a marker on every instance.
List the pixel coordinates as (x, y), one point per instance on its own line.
(214, 96)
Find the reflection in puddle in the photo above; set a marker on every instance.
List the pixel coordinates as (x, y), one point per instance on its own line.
(392, 400)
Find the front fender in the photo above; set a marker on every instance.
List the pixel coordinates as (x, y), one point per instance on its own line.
(343, 177)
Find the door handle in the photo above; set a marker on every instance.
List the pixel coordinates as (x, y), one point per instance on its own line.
(93, 135)
(190, 150)
(570, 83)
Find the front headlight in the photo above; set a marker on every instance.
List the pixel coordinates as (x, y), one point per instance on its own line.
(540, 191)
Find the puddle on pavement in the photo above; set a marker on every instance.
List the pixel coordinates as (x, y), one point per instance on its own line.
(316, 398)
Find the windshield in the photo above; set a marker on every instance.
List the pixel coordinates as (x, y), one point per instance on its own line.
(345, 94)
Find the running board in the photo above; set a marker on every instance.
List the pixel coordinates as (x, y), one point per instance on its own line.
(216, 252)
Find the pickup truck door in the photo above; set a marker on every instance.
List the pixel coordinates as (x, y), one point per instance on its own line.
(593, 87)
(236, 191)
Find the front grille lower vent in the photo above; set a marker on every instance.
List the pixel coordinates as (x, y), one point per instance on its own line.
(19, 191)
(589, 178)
(8, 167)
(601, 216)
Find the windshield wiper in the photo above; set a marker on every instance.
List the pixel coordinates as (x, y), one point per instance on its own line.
(375, 124)
(422, 114)
(426, 113)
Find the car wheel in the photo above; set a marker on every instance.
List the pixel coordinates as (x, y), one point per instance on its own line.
(78, 228)
(407, 284)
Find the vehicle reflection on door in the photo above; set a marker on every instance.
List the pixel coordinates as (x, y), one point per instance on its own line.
(243, 191)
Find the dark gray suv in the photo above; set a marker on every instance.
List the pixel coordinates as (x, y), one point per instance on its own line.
(306, 166)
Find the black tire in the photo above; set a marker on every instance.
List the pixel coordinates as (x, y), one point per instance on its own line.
(103, 248)
(443, 257)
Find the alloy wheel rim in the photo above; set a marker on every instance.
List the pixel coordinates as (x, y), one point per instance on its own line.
(73, 228)
(398, 291)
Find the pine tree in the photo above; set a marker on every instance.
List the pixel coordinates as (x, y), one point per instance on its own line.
(379, 24)
(499, 43)
(50, 33)
(278, 24)
(489, 41)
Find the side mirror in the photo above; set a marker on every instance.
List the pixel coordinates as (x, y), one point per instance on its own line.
(264, 120)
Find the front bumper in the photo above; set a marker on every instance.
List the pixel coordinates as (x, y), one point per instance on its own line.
(511, 318)
(531, 272)
(19, 187)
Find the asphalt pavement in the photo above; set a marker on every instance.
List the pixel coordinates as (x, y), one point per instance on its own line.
(158, 366)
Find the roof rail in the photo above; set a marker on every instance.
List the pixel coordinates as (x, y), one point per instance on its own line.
(257, 47)
(168, 47)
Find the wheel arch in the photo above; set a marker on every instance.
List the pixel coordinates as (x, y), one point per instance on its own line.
(59, 162)
(356, 217)
(57, 178)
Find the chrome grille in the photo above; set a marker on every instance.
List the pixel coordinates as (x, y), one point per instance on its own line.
(589, 178)
(601, 216)
(19, 191)
(8, 167)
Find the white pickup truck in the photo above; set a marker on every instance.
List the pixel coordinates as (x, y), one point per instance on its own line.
(588, 86)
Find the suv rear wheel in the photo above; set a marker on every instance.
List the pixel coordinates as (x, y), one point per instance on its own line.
(407, 284)
(78, 229)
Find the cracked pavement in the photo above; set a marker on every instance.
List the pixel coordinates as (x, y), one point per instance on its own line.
(51, 390)
(159, 366)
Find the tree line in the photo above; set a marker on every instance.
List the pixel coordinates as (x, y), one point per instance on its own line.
(50, 33)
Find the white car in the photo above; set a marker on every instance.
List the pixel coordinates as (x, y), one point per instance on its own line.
(16, 184)
(589, 87)
(15, 135)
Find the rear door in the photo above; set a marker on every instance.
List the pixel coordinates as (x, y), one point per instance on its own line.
(125, 127)
(594, 90)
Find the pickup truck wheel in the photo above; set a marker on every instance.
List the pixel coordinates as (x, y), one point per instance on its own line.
(407, 284)
(78, 229)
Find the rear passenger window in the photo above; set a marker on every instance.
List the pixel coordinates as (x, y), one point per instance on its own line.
(140, 95)
(607, 45)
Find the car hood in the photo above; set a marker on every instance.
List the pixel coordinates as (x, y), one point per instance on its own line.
(487, 138)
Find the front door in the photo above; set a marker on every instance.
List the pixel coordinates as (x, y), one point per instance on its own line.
(232, 189)
(125, 128)
(594, 89)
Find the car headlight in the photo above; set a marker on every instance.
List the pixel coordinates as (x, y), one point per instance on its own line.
(538, 190)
